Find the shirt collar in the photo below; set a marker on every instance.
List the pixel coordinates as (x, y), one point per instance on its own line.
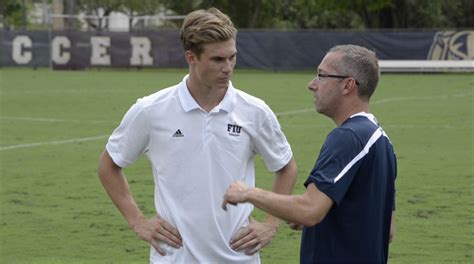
(188, 103)
(369, 116)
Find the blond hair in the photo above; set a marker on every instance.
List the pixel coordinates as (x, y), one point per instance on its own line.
(202, 27)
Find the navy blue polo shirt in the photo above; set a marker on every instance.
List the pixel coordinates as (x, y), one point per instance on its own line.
(356, 168)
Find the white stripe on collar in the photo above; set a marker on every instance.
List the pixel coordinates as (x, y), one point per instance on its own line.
(369, 116)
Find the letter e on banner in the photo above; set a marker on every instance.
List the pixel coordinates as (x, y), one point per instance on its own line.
(99, 51)
(19, 55)
(58, 43)
(141, 47)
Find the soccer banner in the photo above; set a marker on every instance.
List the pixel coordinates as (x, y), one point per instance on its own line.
(257, 49)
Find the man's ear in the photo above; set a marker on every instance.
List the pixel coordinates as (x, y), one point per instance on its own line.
(350, 86)
(191, 58)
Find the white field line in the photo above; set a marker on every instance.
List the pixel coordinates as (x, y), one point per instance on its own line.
(425, 98)
(292, 112)
(53, 120)
(56, 142)
(382, 101)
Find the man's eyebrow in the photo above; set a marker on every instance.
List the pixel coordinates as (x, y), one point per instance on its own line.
(221, 57)
(319, 71)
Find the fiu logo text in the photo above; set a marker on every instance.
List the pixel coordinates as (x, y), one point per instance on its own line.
(234, 130)
(452, 45)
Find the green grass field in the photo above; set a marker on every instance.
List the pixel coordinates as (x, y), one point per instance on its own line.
(54, 125)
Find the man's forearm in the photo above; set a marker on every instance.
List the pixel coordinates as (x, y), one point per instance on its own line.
(307, 209)
(276, 205)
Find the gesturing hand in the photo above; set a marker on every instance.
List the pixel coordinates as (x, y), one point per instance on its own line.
(253, 237)
(235, 194)
(155, 230)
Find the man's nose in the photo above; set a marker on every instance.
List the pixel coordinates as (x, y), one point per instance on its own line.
(312, 85)
(227, 66)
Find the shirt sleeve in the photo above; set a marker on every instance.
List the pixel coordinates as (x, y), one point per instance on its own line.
(131, 138)
(271, 143)
(333, 172)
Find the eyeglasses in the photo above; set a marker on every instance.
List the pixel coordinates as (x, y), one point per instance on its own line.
(319, 76)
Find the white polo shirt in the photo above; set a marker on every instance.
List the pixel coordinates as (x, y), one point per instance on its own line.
(195, 156)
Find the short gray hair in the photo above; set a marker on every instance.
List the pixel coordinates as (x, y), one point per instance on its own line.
(360, 63)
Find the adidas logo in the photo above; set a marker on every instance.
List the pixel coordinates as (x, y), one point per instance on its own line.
(178, 133)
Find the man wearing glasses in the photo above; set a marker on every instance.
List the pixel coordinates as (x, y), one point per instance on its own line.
(347, 209)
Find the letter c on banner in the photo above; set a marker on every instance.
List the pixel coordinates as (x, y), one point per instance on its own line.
(58, 43)
(19, 55)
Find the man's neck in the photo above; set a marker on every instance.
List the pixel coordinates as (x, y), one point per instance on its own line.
(345, 114)
(206, 97)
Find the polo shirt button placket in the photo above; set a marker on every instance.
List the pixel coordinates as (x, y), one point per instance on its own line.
(207, 127)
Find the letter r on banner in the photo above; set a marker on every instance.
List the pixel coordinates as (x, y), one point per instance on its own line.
(141, 47)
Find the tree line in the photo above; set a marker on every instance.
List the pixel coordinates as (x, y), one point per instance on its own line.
(279, 14)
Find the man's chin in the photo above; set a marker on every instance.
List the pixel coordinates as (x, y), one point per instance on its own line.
(222, 85)
(319, 109)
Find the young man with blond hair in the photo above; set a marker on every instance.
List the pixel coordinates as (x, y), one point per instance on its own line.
(200, 136)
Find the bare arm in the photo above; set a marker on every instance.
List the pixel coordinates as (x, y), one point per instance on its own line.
(393, 226)
(283, 183)
(117, 188)
(258, 234)
(153, 230)
(307, 209)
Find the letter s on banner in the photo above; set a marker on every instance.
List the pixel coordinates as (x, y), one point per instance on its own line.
(20, 56)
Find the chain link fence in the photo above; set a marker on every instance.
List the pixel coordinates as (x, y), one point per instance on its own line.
(41, 16)
(114, 22)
